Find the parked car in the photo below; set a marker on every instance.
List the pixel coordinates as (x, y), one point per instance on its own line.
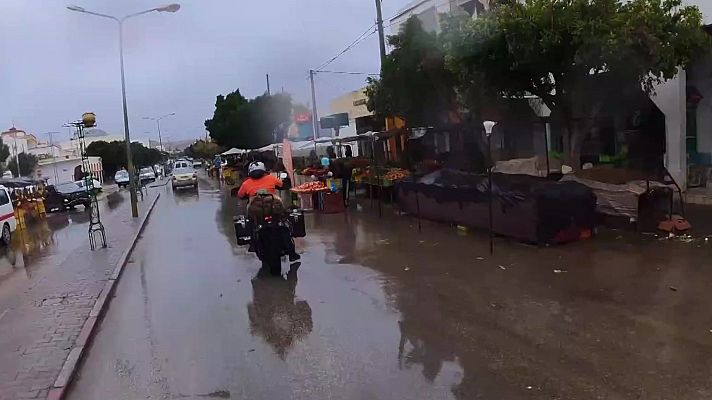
(122, 178)
(147, 174)
(95, 182)
(159, 170)
(7, 216)
(65, 196)
(184, 175)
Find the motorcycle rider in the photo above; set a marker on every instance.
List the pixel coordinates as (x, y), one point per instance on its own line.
(257, 182)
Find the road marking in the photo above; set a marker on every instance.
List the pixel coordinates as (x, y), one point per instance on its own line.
(5, 311)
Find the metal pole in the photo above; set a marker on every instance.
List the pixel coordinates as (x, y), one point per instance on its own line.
(54, 156)
(160, 141)
(127, 138)
(489, 192)
(268, 91)
(381, 37)
(315, 119)
(547, 132)
(17, 156)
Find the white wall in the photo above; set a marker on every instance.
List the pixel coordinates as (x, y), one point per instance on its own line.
(65, 169)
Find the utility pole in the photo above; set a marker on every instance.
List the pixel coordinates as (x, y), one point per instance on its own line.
(381, 37)
(268, 92)
(54, 155)
(315, 120)
(17, 155)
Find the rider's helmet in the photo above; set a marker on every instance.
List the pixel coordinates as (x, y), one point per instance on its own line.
(256, 170)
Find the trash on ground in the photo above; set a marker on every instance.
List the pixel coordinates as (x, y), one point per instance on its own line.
(560, 271)
(480, 258)
(502, 267)
(673, 288)
(406, 269)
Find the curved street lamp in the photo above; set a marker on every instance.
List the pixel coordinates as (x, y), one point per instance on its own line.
(120, 21)
(158, 123)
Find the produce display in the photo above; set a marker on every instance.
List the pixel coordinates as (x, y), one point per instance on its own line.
(309, 171)
(396, 174)
(310, 187)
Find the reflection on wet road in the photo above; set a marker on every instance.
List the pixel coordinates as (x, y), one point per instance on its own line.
(378, 311)
(47, 242)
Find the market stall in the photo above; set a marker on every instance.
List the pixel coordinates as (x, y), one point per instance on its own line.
(527, 208)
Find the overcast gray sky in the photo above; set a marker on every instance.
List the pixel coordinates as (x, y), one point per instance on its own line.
(57, 64)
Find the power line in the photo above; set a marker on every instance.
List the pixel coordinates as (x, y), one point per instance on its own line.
(353, 44)
(347, 72)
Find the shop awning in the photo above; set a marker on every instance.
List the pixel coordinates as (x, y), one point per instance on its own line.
(233, 151)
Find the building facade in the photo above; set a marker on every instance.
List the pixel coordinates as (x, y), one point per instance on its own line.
(429, 11)
(65, 169)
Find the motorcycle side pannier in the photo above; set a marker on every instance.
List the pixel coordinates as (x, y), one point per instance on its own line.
(296, 218)
(243, 229)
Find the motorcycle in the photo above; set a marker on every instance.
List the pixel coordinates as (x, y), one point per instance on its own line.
(268, 234)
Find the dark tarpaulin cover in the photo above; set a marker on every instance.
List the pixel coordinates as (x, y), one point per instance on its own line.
(525, 207)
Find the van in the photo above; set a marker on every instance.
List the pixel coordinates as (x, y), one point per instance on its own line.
(7, 216)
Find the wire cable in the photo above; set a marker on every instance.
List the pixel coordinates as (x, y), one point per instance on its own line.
(353, 44)
(346, 72)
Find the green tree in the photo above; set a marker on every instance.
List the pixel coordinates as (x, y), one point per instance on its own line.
(113, 155)
(144, 156)
(203, 149)
(4, 154)
(414, 83)
(28, 162)
(574, 54)
(247, 124)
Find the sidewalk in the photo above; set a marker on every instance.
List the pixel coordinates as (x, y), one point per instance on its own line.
(40, 328)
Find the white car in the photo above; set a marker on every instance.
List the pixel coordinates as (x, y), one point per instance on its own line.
(7, 216)
(122, 178)
(147, 175)
(95, 182)
(184, 175)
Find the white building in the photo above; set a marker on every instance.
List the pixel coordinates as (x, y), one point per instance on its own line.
(429, 11)
(66, 169)
(18, 141)
(95, 135)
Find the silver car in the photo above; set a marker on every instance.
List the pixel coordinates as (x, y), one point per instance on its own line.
(184, 176)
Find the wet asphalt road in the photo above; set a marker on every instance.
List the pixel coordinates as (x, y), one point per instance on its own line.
(46, 243)
(379, 311)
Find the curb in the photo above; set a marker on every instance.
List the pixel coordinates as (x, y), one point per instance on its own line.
(159, 185)
(71, 364)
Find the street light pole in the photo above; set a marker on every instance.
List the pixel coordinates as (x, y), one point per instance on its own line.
(315, 120)
(489, 126)
(127, 136)
(158, 125)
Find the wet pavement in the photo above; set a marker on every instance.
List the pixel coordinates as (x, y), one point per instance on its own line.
(46, 243)
(47, 296)
(377, 310)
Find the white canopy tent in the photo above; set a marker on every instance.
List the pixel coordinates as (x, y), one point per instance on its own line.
(233, 152)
